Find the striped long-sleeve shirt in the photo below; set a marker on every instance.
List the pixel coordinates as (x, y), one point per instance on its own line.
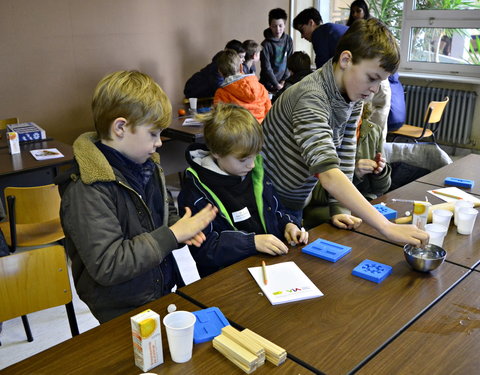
(310, 129)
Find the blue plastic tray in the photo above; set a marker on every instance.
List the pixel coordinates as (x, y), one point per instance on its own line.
(326, 250)
(209, 324)
(373, 271)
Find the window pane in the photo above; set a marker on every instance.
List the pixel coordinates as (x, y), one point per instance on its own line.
(446, 4)
(445, 45)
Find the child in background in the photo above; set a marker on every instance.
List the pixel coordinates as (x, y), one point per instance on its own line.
(119, 220)
(228, 173)
(252, 55)
(358, 11)
(310, 130)
(244, 90)
(323, 36)
(277, 46)
(204, 83)
(299, 65)
(372, 175)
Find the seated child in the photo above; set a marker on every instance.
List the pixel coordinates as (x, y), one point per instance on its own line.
(252, 55)
(204, 83)
(372, 174)
(244, 90)
(228, 173)
(299, 65)
(119, 220)
(277, 46)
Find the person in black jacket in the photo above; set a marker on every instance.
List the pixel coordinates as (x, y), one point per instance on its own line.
(227, 172)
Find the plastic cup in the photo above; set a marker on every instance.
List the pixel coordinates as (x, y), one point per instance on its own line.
(466, 220)
(442, 217)
(179, 326)
(461, 204)
(437, 233)
(193, 103)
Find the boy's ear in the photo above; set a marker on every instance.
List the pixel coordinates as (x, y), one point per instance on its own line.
(345, 59)
(119, 126)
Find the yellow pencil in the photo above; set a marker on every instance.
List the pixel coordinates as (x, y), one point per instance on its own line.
(446, 195)
(264, 273)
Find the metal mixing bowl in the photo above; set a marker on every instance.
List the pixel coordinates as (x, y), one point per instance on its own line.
(424, 259)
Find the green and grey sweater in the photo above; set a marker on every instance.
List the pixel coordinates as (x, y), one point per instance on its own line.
(310, 129)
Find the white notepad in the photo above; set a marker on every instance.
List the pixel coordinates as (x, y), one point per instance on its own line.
(46, 153)
(286, 283)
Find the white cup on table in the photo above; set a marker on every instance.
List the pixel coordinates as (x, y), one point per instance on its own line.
(437, 233)
(179, 326)
(193, 104)
(466, 220)
(458, 205)
(442, 217)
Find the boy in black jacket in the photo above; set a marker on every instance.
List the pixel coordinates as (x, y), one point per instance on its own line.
(228, 173)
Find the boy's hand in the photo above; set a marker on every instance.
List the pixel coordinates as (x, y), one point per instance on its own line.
(344, 221)
(364, 166)
(405, 234)
(381, 162)
(294, 235)
(269, 244)
(189, 228)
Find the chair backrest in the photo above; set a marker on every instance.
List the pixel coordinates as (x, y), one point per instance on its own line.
(8, 121)
(35, 204)
(33, 280)
(435, 111)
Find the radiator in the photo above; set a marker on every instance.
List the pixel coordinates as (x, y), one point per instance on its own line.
(456, 124)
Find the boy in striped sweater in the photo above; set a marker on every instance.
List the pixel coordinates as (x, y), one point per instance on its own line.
(310, 130)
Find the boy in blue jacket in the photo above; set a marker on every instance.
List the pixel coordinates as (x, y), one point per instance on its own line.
(228, 173)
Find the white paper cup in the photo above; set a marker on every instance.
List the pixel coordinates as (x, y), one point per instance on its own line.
(461, 204)
(466, 220)
(193, 103)
(437, 233)
(442, 217)
(179, 326)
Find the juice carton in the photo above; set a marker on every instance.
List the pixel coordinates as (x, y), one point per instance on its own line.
(13, 143)
(420, 214)
(147, 340)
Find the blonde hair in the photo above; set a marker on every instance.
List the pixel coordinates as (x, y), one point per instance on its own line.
(228, 62)
(232, 130)
(132, 95)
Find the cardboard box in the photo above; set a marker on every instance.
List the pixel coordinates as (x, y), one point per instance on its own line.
(147, 340)
(27, 131)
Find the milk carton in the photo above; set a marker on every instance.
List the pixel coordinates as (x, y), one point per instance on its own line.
(147, 340)
(13, 143)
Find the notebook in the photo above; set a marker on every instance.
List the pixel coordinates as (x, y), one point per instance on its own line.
(286, 283)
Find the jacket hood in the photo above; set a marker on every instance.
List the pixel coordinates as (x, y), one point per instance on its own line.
(93, 165)
(267, 34)
(244, 90)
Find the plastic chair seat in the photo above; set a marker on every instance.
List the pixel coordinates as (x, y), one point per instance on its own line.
(412, 131)
(34, 234)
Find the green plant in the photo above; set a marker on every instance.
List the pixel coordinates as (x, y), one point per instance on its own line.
(389, 12)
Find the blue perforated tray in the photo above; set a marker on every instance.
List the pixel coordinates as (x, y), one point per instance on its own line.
(373, 271)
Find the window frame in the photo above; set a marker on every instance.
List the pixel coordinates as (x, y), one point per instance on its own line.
(464, 19)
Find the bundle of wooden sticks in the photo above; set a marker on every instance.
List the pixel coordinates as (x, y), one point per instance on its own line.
(248, 350)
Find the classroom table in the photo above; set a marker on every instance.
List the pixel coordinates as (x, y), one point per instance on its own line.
(107, 349)
(179, 132)
(354, 318)
(444, 341)
(466, 168)
(461, 249)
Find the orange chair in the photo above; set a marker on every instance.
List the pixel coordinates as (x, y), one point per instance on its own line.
(33, 216)
(35, 280)
(430, 127)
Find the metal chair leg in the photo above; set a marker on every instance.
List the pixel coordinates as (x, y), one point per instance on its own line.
(28, 331)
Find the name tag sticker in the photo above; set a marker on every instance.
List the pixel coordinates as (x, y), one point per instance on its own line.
(241, 215)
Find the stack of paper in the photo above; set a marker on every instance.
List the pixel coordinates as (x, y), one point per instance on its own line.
(286, 283)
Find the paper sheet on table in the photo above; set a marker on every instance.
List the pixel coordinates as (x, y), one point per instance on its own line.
(191, 122)
(186, 265)
(454, 191)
